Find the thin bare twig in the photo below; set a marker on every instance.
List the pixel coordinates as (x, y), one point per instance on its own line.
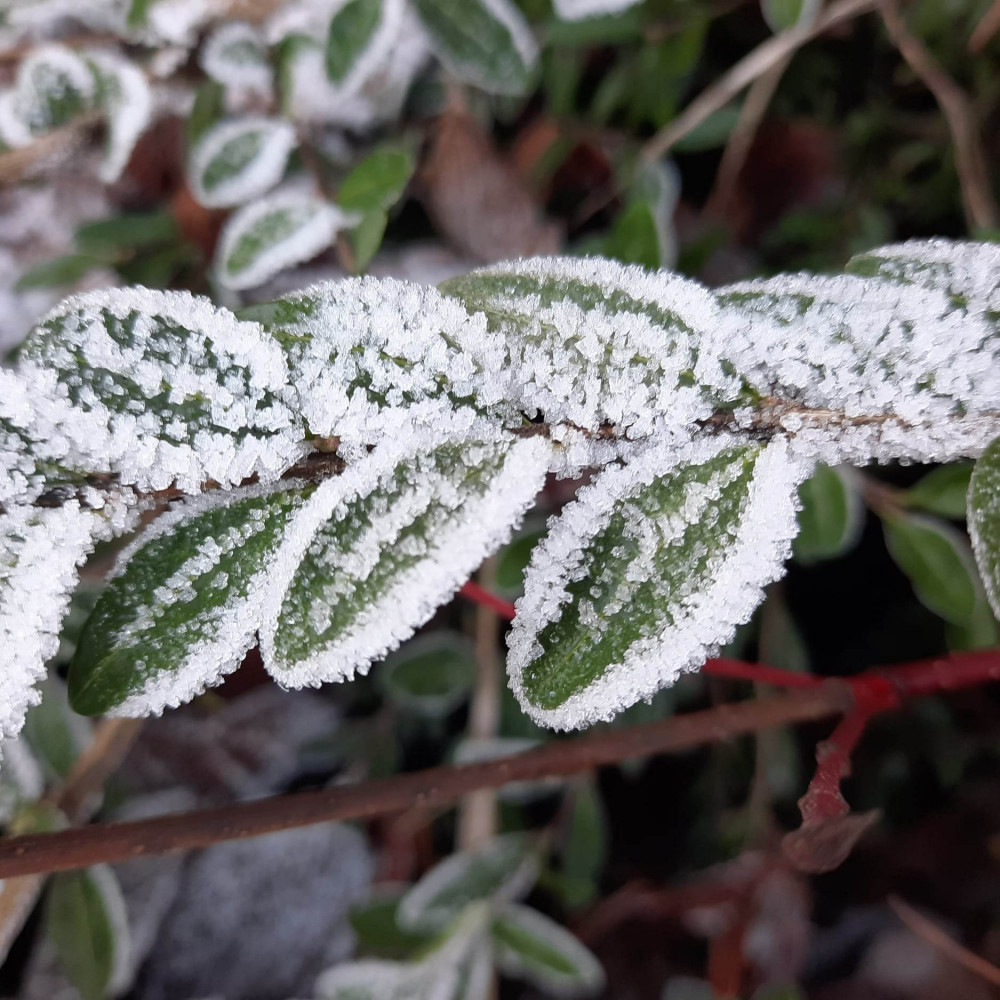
(938, 939)
(987, 27)
(970, 162)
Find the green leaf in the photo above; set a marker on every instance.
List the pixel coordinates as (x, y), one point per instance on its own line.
(367, 236)
(586, 847)
(138, 12)
(532, 947)
(831, 515)
(123, 233)
(60, 271)
(634, 238)
(378, 931)
(782, 15)
(239, 159)
(184, 607)
(161, 388)
(409, 529)
(430, 675)
(944, 491)
(266, 237)
(503, 869)
(487, 44)
(209, 107)
(124, 96)
(54, 86)
(984, 521)
(513, 559)
(87, 924)
(56, 734)
(936, 559)
(645, 573)
(352, 31)
(378, 181)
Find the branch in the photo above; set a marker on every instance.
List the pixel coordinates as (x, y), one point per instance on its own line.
(970, 161)
(442, 786)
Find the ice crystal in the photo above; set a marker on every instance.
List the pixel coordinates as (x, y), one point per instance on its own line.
(40, 553)
(158, 387)
(393, 539)
(236, 56)
(647, 573)
(125, 97)
(240, 159)
(267, 236)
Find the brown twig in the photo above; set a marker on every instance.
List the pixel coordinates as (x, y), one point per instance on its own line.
(987, 27)
(970, 162)
(443, 786)
(938, 939)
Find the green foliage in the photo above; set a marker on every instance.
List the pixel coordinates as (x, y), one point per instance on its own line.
(430, 675)
(943, 491)
(830, 516)
(350, 34)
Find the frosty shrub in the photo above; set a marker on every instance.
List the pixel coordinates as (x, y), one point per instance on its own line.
(338, 461)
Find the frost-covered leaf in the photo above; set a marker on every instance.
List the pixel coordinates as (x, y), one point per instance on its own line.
(901, 351)
(984, 521)
(432, 674)
(371, 357)
(360, 36)
(278, 231)
(159, 388)
(235, 55)
(502, 870)
(944, 491)
(578, 10)
(782, 15)
(484, 42)
(21, 781)
(407, 527)
(208, 109)
(647, 573)
(40, 552)
(60, 271)
(369, 979)
(936, 558)
(594, 343)
(830, 518)
(87, 922)
(123, 94)
(533, 947)
(378, 932)
(56, 734)
(53, 86)
(239, 159)
(185, 603)
(475, 751)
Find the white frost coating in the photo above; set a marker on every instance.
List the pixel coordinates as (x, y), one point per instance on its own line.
(588, 977)
(594, 342)
(702, 619)
(285, 228)
(912, 367)
(21, 778)
(578, 10)
(467, 528)
(203, 394)
(14, 130)
(40, 553)
(374, 354)
(379, 49)
(127, 102)
(235, 55)
(50, 73)
(240, 159)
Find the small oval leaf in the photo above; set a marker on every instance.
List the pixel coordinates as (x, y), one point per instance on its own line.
(430, 675)
(124, 96)
(944, 491)
(830, 518)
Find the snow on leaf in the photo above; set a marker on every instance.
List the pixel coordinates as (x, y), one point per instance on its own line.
(160, 388)
(984, 521)
(239, 159)
(40, 553)
(503, 869)
(647, 573)
(185, 602)
(593, 342)
(905, 354)
(533, 947)
(53, 86)
(371, 356)
(578, 10)
(235, 55)
(267, 236)
(484, 42)
(360, 36)
(404, 529)
(125, 98)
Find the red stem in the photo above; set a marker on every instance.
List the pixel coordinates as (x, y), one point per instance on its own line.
(480, 595)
